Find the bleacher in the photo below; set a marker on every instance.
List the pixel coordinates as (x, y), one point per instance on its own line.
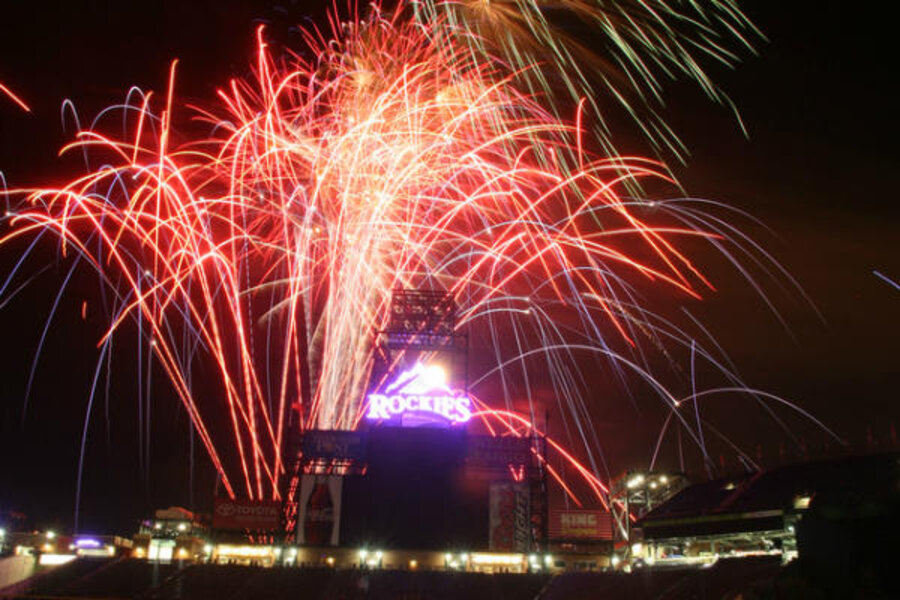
(727, 578)
(235, 582)
(96, 578)
(121, 579)
(117, 579)
(54, 582)
(245, 583)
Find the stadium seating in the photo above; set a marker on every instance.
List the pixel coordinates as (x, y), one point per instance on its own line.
(128, 578)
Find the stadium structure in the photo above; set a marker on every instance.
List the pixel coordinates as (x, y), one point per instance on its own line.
(413, 476)
(413, 504)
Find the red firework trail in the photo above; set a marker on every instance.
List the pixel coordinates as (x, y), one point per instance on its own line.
(388, 159)
(9, 93)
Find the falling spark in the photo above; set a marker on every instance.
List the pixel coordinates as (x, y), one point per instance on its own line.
(383, 158)
(9, 93)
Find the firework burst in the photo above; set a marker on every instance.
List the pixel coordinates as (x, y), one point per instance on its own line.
(388, 159)
(611, 54)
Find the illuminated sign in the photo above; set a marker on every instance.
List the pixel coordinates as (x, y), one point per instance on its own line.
(580, 525)
(241, 513)
(481, 558)
(420, 396)
(52, 560)
(255, 551)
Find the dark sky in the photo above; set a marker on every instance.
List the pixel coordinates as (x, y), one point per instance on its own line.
(816, 169)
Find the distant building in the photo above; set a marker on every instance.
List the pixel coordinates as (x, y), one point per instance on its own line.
(173, 533)
(100, 545)
(36, 543)
(764, 512)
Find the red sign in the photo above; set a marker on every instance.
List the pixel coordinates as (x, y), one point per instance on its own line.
(509, 517)
(246, 514)
(320, 510)
(581, 525)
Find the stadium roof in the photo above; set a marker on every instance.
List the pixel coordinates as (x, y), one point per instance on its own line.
(759, 501)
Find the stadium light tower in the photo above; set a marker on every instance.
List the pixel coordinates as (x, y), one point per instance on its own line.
(635, 493)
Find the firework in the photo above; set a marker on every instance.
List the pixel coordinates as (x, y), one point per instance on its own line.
(9, 94)
(611, 54)
(388, 159)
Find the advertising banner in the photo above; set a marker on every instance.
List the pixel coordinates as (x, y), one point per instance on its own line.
(498, 457)
(581, 525)
(509, 513)
(341, 445)
(242, 514)
(319, 514)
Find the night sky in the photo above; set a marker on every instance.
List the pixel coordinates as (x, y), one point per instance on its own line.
(817, 170)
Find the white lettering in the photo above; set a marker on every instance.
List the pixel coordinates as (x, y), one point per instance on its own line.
(457, 409)
(464, 410)
(378, 407)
